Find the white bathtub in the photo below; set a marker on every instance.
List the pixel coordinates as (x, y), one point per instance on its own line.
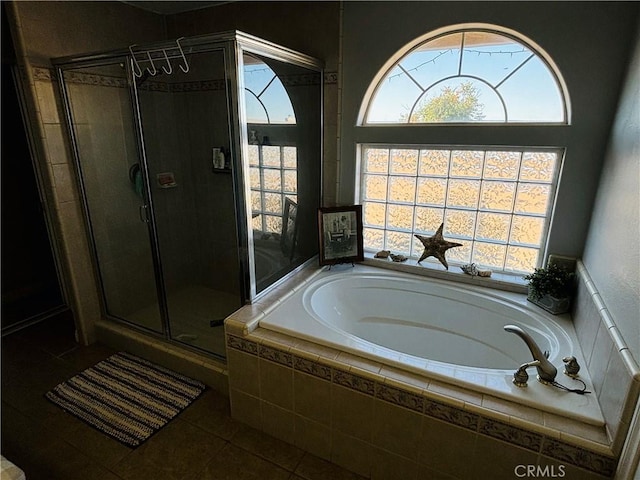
(442, 330)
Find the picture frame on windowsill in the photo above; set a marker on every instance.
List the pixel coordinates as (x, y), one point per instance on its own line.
(340, 234)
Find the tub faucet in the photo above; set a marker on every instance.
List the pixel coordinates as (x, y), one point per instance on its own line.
(546, 371)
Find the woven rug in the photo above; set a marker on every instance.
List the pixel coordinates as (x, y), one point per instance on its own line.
(126, 397)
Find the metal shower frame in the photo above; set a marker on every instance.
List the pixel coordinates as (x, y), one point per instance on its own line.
(232, 44)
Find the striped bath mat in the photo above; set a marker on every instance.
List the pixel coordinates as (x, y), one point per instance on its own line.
(126, 397)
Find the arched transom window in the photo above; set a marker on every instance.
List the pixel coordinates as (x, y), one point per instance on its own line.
(494, 198)
(469, 75)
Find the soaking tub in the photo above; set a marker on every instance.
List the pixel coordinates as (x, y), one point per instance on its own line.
(439, 329)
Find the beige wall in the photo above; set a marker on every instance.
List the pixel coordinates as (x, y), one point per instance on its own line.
(54, 29)
(612, 253)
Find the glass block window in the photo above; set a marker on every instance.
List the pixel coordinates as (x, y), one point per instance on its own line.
(496, 203)
(273, 176)
(468, 75)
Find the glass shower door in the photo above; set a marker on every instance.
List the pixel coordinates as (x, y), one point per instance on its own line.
(186, 130)
(102, 123)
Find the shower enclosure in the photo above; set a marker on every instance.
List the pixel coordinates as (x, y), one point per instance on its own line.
(199, 165)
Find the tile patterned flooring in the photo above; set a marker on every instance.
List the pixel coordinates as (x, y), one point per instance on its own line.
(202, 443)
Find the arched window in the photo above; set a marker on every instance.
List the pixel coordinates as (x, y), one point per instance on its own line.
(468, 75)
(494, 200)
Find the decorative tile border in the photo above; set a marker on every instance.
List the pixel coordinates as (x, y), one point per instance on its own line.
(197, 86)
(510, 434)
(84, 78)
(283, 358)
(43, 74)
(330, 78)
(400, 397)
(354, 382)
(312, 368)
(299, 80)
(489, 427)
(242, 345)
(579, 456)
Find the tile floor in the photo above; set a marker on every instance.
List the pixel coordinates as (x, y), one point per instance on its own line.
(202, 443)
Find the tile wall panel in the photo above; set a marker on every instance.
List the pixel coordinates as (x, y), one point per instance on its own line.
(440, 435)
(614, 371)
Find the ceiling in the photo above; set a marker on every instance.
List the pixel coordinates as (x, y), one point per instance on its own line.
(167, 7)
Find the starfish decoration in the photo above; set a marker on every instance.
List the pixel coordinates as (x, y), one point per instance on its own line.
(436, 246)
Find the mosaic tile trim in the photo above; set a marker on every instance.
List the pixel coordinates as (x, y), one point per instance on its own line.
(242, 345)
(312, 368)
(355, 382)
(476, 423)
(276, 356)
(150, 86)
(48, 74)
(199, 86)
(452, 415)
(510, 434)
(400, 397)
(93, 79)
(330, 78)
(300, 80)
(579, 456)
(43, 74)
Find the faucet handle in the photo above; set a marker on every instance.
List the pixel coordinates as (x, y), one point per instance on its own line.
(571, 366)
(521, 377)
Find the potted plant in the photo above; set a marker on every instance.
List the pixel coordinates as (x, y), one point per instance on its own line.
(551, 288)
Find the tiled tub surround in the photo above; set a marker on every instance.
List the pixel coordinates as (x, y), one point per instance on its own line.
(382, 422)
(438, 329)
(614, 371)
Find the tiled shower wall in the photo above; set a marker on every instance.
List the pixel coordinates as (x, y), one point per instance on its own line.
(614, 371)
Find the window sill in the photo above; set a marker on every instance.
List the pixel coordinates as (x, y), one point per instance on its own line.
(433, 269)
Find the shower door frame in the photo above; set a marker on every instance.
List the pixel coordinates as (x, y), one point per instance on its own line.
(103, 59)
(232, 44)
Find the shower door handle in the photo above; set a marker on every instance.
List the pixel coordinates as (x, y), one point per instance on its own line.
(142, 211)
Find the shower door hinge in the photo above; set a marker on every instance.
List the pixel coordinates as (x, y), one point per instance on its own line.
(143, 212)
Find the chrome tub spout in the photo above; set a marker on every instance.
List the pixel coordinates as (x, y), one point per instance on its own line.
(546, 371)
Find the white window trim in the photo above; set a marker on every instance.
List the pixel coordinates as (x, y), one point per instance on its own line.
(380, 75)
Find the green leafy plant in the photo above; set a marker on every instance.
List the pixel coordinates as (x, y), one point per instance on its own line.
(553, 280)
(453, 104)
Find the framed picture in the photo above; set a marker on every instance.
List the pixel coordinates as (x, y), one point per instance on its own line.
(289, 228)
(340, 234)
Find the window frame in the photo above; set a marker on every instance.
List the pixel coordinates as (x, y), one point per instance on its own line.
(451, 29)
(519, 136)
